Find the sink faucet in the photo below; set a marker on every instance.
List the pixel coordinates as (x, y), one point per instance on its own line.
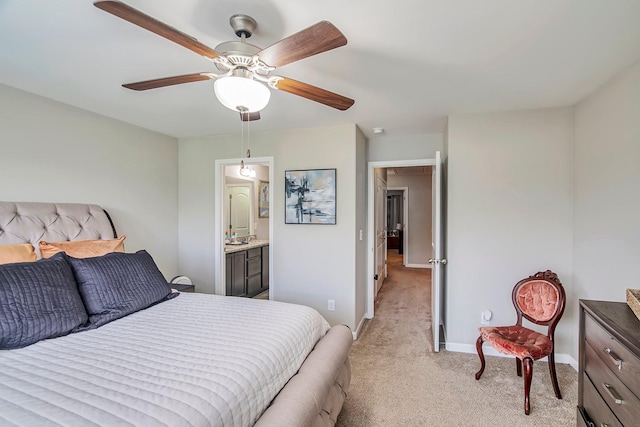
(251, 238)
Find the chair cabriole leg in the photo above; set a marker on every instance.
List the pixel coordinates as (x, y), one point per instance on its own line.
(481, 355)
(554, 377)
(519, 367)
(528, 372)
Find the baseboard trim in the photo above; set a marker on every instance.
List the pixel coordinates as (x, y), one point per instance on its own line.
(418, 265)
(490, 351)
(359, 328)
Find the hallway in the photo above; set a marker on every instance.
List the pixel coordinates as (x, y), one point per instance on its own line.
(402, 307)
(385, 355)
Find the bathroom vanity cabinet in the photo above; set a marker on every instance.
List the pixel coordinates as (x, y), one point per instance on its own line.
(247, 270)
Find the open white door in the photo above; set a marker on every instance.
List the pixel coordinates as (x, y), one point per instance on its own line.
(380, 202)
(438, 261)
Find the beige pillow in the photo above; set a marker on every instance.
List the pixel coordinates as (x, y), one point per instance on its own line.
(82, 248)
(22, 252)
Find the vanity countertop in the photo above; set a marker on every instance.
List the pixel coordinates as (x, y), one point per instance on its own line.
(243, 247)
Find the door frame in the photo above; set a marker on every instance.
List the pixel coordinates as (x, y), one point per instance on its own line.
(405, 221)
(370, 289)
(218, 220)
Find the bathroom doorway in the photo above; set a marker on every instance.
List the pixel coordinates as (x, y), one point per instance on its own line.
(242, 204)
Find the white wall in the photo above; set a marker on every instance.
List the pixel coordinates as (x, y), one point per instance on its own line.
(509, 195)
(607, 186)
(418, 236)
(52, 152)
(311, 263)
(386, 147)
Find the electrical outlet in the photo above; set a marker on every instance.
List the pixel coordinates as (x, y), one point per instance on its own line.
(485, 317)
(331, 305)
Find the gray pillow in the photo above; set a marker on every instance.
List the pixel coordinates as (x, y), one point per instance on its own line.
(38, 300)
(117, 284)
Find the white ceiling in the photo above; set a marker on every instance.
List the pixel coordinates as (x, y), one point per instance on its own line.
(408, 63)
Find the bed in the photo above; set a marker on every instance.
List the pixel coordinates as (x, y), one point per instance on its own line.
(185, 359)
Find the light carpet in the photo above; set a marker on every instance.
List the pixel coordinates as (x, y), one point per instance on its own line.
(399, 381)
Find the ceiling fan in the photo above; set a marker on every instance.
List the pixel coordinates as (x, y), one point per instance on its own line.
(242, 64)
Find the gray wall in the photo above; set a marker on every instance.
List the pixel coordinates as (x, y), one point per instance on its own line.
(418, 234)
(311, 263)
(52, 152)
(510, 196)
(606, 240)
(541, 189)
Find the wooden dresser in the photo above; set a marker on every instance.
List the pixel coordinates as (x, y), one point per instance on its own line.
(609, 365)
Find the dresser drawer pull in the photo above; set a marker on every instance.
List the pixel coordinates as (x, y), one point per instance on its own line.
(613, 393)
(614, 357)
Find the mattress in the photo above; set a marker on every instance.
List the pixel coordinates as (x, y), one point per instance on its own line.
(195, 360)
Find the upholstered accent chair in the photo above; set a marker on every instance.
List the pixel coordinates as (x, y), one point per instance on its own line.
(540, 299)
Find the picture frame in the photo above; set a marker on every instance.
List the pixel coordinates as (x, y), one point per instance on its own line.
(310, 196)
(263, 199)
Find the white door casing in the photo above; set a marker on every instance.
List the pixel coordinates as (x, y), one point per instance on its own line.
(371, 214)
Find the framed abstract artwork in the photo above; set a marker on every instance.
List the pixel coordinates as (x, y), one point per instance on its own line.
(310, 196)
(263, 200)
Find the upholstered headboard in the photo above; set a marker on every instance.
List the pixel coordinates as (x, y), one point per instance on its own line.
(30, 222)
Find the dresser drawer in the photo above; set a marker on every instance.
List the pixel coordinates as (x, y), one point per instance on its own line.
(594, 407)
(624, 364)
(622, 402)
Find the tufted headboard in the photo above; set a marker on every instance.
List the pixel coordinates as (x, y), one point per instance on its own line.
(30, 222)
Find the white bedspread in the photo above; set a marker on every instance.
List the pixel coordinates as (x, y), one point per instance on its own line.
(195, 360)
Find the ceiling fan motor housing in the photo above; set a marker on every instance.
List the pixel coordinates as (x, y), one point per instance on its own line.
(237, 53)
(243, 25)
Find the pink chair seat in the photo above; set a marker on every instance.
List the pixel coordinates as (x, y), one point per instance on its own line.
(517, 341)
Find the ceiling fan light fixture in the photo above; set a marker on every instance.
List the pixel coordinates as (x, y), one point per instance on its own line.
(241, 93)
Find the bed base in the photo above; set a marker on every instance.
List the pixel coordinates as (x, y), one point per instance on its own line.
(314, 396)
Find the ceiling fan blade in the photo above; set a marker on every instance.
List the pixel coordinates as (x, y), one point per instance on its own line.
(318, 38)
(315, 93)
(250, 117)
(140, 19)
(167, 81)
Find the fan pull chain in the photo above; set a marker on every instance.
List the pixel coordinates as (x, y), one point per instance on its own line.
(248, 137)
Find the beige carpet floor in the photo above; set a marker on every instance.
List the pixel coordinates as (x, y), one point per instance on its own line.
(398, 380)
